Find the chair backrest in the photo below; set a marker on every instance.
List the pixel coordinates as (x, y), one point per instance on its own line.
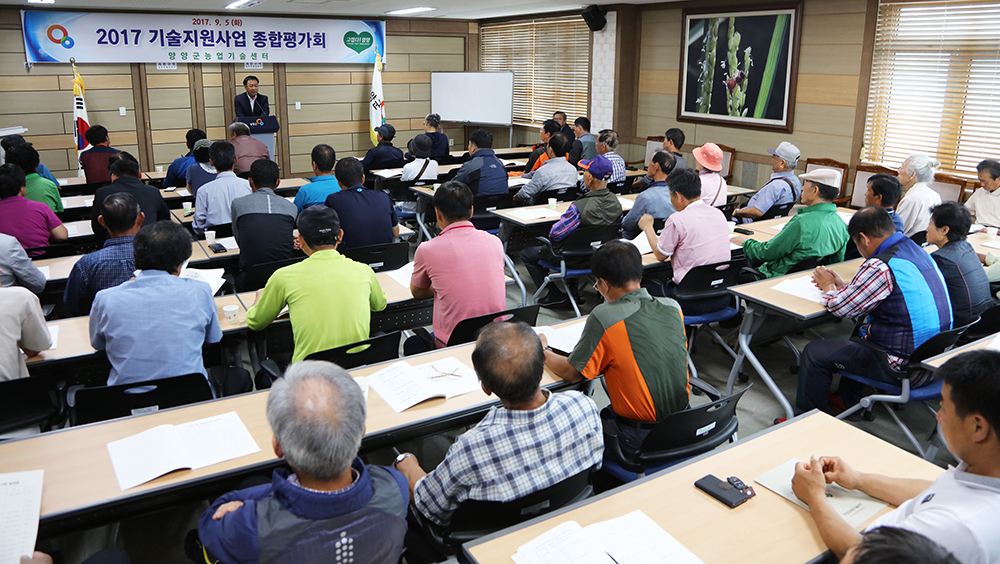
(710, 280)
(264, 238)
(25, 402)
(584, 240)
(948, 186)
(369, 351)
(389, 256)
(51, 251)
(729, 209)
(467, 330)
(403, 315)
(620, 187)
(224, 230)
(564, 194)
(653, 144)
(778, 210)
(124, 400)
(861, 176)
(935, 345)
(728, 160)
(920, 237)
(809, 264)
(837, 166)
(988, 324)
(483, 205)
(256, 276)
(477, 518)
(691, 432)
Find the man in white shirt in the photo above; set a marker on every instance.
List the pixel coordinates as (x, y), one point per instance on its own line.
(422, 167)
(915, 175)
(22, 327)
(984, 205)
(961, 509)
(214, 201)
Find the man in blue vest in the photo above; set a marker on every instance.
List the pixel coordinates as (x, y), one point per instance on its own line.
(902, 294)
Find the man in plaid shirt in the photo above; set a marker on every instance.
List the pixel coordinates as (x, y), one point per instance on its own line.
(535, 440)
(903, 297)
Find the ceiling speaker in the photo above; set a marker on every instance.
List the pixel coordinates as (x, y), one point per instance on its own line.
(594, 16)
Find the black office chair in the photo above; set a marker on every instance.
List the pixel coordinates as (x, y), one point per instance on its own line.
(256, 277)
(388, 256)
(474, 519)
(920, 238)
(24, 403)
(704, 291)
(483, 205)
(751, 274)
(264, 238)
(52, 251)
(467, 330)
(780, 210)
(728, 210)
(987, 324)
(677, 437)
(111, 402)
(563, 194)
(370, 351)
(221, 231)
(620, 187)
(577, 247)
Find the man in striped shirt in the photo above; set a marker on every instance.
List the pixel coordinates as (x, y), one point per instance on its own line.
(902, 294)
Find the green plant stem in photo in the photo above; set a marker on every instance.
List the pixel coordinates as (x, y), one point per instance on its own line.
(773, 54)
(707, 76)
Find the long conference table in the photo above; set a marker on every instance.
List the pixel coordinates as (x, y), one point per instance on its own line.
(80, 489)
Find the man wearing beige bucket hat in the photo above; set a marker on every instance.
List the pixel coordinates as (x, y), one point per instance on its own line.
(708, 161)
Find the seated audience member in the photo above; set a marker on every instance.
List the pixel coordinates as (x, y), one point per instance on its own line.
(248, 149)
(636, 341)
(708, 163)
(324, 183)
(95, 159)
(33, 224)
(884, 191)
(564, 128)
(815, 231)
(584, 147)
(915, 175)
(178, 169)
(329, 296)
(114, 263)
(655, 198)
(22, 328)
(539, 153)
(903, 297)
(599, 207)
(439, 141)
(422, 167)
(201, 171)
(317, 415)
(155, 325)
(984, 204)
(545, 437)
(214, 202)
(782, 188)
(883, 545)
(16, 269)
(263, 221)
(607, 142)
(367, 216)
(968, 286)
(383, 155)
(9, 141)
(673, 140)
(483, 173)
(125, 178)
(37, 189)
(462, 268)
(555, 174)
(698, 234)
(959, 509)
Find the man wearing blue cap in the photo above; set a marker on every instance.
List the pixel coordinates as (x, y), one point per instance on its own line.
(597, 208)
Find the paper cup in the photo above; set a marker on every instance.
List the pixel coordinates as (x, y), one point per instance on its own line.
(732, 226)
(991, 232)
(159, 168)
(187, 207)
(232, 313)
(210, 237)
(552, 203)
(363, 382)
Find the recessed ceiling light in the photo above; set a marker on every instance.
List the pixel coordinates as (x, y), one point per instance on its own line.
(41, 1)
(408, 11)
(243, 4)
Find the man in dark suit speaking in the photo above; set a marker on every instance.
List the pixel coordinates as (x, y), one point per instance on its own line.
(251, 103)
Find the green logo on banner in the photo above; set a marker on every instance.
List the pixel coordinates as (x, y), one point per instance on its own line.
(358, 42)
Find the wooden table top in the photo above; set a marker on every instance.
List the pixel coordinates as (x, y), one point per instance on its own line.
(508, 214)
(766, 529)
(498, 152)
(59, 268)
(81, 228)
(77, 180)
(763, 292)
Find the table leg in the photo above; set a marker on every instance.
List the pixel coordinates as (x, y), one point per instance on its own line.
(517, 279)
(752, 321)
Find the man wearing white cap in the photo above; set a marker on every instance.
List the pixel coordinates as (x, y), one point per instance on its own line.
(816, 231)
(782, 188)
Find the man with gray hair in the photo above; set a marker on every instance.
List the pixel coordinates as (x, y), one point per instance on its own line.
(915, 175)
(248, 149)
(782, 188)
(330, 503)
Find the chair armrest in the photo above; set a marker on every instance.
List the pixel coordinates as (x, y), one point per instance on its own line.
(547, 245)
(704, 386)
(424, 336)
(754, 272)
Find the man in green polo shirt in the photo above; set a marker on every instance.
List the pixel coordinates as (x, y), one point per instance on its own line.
(815, 231)
(37, 188)
(329, 296)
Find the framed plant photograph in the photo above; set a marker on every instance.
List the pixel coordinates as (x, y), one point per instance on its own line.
(739, 67)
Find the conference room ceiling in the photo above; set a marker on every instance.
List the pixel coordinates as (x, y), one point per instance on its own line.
(460, 9)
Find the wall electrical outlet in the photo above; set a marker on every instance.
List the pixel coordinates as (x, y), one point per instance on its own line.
(451, 142)
(298, 105)
(121, 110)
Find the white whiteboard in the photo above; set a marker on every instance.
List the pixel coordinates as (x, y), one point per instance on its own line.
(476, 97)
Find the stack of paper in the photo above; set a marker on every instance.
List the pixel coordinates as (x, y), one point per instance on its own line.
(402, 386)
(402, 275)
(20, 506)
(630, 539)
(801, 287)
(229, 243)
(517, 181)
(183, 192)
(992, 244)
(161, 450)
(210, 276)
(641, 242)
(563, 339)
(855, 507)
(389, 172)
(533, 213)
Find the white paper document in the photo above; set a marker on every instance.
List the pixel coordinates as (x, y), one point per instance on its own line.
(779, 226)
(800, 287)
(210, 276)
(54, 333)
(992, 244)
(20, 507)
(402, 275)
(161, 450)
(71, 229)
(626, 203)
(734, 246)
(845, 216)
(855, 507)
(45, 272)
(517, 181)
(641, 242)
(88, 202)
(533, 213)
(183, 192)
(995, 344)
(402, 386)
(563, 339)
(229, 243)
(507, 162)
(633, 538)
(389, 172)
